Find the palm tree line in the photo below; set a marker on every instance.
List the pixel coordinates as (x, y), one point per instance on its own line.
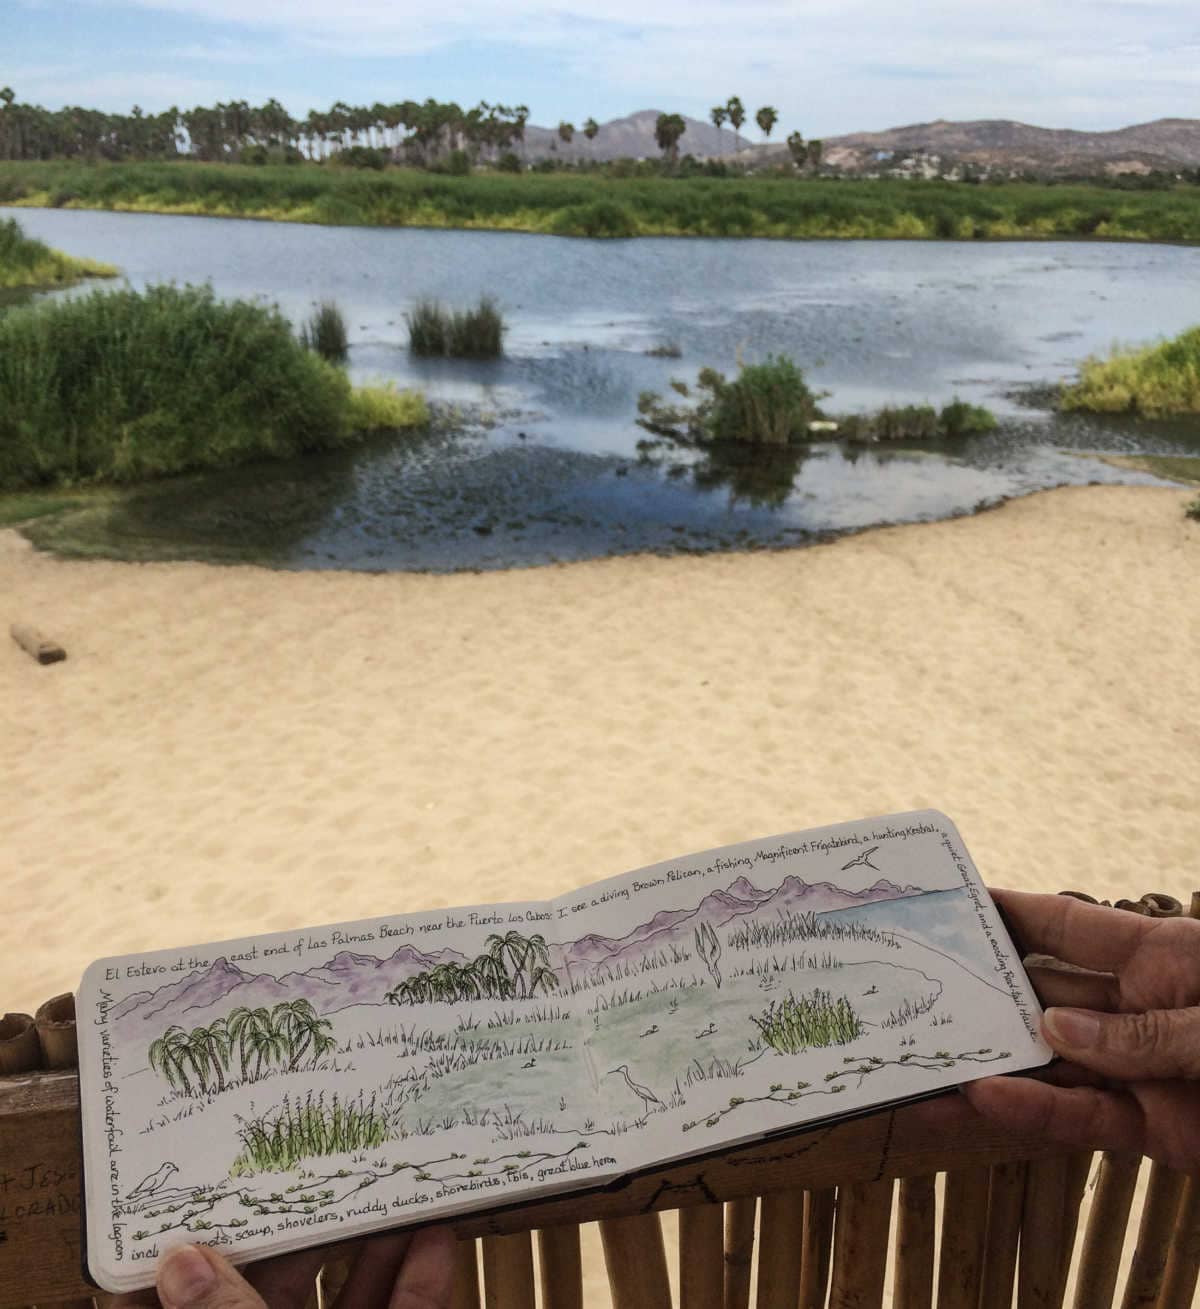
(512, 967)
(288, 1036)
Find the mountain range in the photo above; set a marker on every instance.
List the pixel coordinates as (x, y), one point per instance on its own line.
(1000, 145)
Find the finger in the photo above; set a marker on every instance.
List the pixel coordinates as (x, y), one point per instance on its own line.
(1082, 1116)
(288, 1281)
(1136, 1047)
(374, 1272)
(1055, 986)
(426, 1280)
(195, 1277)
(1089, 935)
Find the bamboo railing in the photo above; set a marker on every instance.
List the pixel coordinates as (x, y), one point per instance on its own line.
(965, 1216)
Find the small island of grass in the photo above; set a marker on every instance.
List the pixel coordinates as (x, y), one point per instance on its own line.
(1157, 381)
(29, 265)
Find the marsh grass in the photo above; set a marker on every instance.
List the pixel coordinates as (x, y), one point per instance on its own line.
(794, 1024)
(918, 423)
(477, 333)
(1158, 381)
(791, 926)
(28, 263)
(307, 1129)
(325, 333)
(383, 407)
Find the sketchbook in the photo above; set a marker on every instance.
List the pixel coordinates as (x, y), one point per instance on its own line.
(294, 1088)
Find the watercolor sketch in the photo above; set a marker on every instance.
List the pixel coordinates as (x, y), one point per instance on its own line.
(482, 1055)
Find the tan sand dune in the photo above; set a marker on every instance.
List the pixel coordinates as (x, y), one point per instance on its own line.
(230, 750)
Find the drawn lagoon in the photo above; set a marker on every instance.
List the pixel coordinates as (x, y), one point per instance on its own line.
(536, 459)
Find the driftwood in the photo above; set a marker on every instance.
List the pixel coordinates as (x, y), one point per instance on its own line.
(36, 645)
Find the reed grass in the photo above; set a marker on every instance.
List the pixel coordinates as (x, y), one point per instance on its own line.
(580, 204)
(325, 333)
(1159, 380)
(384, 408)
(796, 1023)
(27, 264)
(790, 926)
(123, 386)
(918, 423)
(311, 1128)
(456, 333)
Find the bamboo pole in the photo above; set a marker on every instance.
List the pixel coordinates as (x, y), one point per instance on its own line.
(702, 1257)
(560, 1267)
(636, 1261)
(1006, 1194)
(739, 1250)
(780, 1250)
(860, 1245)
(36, 645)
(1163, 1192)
(508, 1272)
(55, 1022)
(1053, 1191)
(464, 1290)
(915, 1232)
(964, 1230)
(1096, 1284)
(19, 1049)
(1183, 1259)
(816, 1257)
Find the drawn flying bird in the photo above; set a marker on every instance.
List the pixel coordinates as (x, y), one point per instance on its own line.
(643, 1093)
(155, 1182)
(862, 860)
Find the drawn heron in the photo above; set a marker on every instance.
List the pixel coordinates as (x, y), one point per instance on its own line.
(643, 1093)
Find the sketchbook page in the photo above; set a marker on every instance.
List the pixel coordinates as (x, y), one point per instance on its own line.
(757, 987)
(296, 1088)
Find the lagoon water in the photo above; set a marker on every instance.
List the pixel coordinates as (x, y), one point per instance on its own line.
(552, 472)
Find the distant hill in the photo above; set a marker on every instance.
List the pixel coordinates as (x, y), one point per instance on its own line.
(1000, 145)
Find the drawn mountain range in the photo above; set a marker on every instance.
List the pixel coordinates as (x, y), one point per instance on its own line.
(719, 908)
(352, 978)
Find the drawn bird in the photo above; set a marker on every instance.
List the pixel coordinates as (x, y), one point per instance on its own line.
(873, 991)
(708, 1031)
(530, 1064)
(862, 860)
(650, 1031)
(155, 1182)
(643, 1093)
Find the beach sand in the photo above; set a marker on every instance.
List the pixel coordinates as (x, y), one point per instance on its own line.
(230, 750)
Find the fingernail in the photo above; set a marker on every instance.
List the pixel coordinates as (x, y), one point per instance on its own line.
(1073, 1027)
(185, 1278)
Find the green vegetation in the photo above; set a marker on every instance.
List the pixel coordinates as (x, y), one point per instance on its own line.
(325, 332)
(787, 928)
(29, 264)
(1175, 468)
(514, 967)
(384, 408)
(792, 1025)
(1156, 380)
(309, 1129)
(917, 423)
(1192, 509)
(122, 386)
(650, 205)
(460, 334)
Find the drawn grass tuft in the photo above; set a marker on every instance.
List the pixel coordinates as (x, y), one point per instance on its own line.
(794, 1024)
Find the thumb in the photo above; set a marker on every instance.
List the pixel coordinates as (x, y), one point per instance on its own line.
(195, 1277)
(1160, 1043)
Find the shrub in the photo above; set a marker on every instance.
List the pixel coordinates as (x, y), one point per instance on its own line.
(1158, 380)
(380, 408)
(508, 162)
(918, 423)
(25, 262)
(325, 332)
(461, 334)
(601, 218)
(961, 419)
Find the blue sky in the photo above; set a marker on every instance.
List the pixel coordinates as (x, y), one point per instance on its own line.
(829, 66)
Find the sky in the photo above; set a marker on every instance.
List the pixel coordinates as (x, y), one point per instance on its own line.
(828, 66)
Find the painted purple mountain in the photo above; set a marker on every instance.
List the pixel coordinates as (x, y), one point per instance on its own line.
(347, 979)
(718, 908)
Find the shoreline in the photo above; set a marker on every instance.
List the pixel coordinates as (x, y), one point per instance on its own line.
(233, 750)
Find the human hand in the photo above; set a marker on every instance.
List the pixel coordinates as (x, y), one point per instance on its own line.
(390, 1272)
(1129, 1029)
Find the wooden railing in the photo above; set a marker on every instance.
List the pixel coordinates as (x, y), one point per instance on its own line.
(800, 1222)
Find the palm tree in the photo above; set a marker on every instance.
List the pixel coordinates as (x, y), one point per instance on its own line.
(718, 114)
(300, 1027)
(766, 118)
(168, 1056)
(199, 1056)
(591, 129)
(795, 143)
(249, 1027)
(667, 130)
(815, 151)
(737, 116)
(215, 1041)
(566, 133)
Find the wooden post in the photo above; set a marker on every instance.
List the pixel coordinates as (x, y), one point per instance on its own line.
(860, 1245)
(636, 1260)
(464, 1293)
(702, 1257)
(915, 1230)
(964, 1232)
(1006, 1194)
(739, 1250)
(1183, 1259)
(1053, 1191)
(817, 1256)
(1163, 1193)
(508, 1272)
(36, 645)
(560, 1265)
(1096, 1284)
(780, 1250)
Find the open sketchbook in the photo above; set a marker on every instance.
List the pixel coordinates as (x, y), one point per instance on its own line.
(290, 1089)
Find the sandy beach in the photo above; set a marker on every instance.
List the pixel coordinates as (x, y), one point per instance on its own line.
(229, 750)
